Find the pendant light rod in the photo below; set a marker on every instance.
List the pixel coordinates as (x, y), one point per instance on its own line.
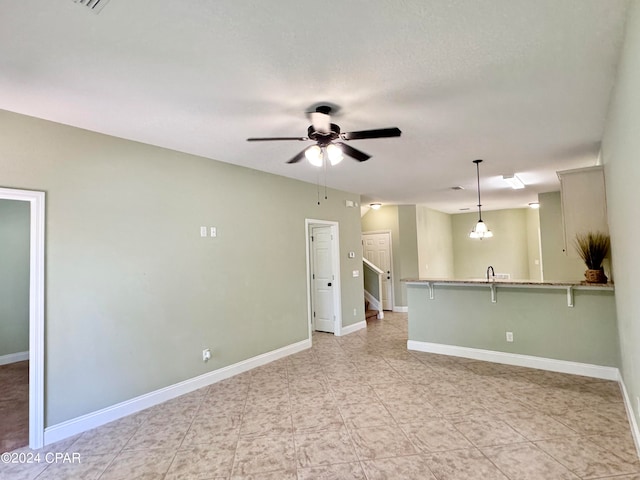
(477, 162)
(480, 230)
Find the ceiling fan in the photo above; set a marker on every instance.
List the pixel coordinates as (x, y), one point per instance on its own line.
(324, 134)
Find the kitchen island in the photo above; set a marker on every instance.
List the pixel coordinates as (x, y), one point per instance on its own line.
(560, 326)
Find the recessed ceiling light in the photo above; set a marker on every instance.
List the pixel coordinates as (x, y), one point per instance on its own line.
(457, 187)
(513, 181)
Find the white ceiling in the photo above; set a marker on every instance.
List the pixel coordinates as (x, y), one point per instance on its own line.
(522, 84)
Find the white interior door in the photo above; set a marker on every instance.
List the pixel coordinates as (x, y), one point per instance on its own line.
(322, 279)
(376, 247)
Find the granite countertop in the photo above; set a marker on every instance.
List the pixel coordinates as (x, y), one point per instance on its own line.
(514, 283)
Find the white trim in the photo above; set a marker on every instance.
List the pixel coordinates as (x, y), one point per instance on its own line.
(401, 309)
(36, 308)
(373, 301)
(86, 422)
(635, 433)
(14, 357)
(335, 246)
(353, 328)
(372, 266)
(550, 364)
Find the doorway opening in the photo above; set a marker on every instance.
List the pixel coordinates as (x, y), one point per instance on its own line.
(36, 201)
(376, 247)
(323, 276)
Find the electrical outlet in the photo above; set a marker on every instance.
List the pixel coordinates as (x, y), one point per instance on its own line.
(509, 336)
(206, 354)
(355, 312)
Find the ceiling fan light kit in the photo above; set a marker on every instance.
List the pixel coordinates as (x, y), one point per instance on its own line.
(314, 155)
(334, 153)
(326, 135)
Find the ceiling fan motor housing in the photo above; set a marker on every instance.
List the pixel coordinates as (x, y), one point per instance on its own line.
(324, 139)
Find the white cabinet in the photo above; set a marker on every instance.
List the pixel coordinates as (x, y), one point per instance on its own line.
(584, 204)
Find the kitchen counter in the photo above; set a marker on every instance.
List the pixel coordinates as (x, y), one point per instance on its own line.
(560, 326)
(502, 282)
(430, 283)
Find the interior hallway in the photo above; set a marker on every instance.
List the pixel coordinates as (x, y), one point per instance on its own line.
(363, 407)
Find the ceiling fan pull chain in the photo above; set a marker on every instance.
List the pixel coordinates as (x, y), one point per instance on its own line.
(324, 164)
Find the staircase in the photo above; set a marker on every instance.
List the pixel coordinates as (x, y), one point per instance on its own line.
(369, 314)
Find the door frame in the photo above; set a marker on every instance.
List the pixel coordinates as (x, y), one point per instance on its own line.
(335, 267)
(36, 201)
(393, 277)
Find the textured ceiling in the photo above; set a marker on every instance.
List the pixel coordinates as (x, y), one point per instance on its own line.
(522, 84)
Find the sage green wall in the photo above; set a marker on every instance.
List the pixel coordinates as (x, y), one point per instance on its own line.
(507, 251)
(540, 320)
(14, 276)
(556, 264)
(408, 247)
(435, 243)
(620, 153)
(400, 220)
(133, 293)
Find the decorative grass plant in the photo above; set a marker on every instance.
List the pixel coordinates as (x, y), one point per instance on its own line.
(593, 247)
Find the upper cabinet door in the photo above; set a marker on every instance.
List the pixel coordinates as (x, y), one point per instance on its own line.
(584, 204)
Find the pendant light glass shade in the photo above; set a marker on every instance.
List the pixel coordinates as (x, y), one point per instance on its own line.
(314, 155)
(480, 230)
(334, 153)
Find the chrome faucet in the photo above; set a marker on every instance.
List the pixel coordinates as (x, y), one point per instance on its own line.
(493, 273)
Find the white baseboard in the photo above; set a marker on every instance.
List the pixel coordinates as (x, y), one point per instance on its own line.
(353, 328)
(109, 414)
(551, 364)
(14, 357)
(635, 433)
(401, 309)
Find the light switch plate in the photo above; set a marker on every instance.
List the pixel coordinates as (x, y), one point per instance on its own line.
(203, 231)
(214, 232)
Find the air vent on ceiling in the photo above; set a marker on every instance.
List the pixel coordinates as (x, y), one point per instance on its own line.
(95, 6)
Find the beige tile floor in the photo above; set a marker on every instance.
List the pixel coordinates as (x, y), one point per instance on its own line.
(363, 407)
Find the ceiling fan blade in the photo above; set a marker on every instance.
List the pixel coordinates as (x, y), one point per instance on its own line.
(321, 122)
(359, 155)
(271, 139)
(378, 133)
(298, 157)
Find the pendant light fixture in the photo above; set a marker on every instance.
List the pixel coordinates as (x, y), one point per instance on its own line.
(480, 230)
